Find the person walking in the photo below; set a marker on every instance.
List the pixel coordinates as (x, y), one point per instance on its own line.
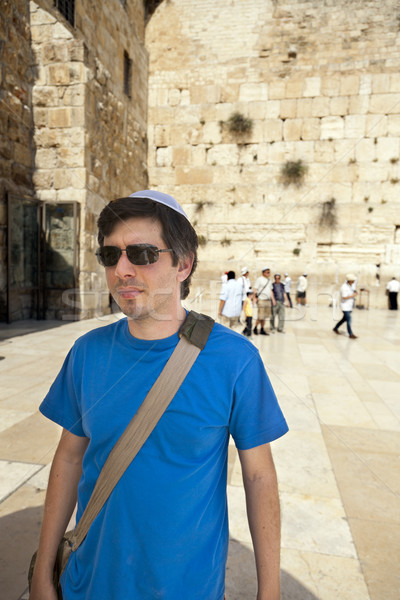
(163, 531)
(230, 301)
(245, 283)
(348, 294)
(393, 288)
(278, 310)
(288, 286)
(301, 290)
(265, 299)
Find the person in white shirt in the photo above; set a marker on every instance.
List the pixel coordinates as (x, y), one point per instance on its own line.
(301, 290)
(347, 298)
(230, 305)
(288, 286)
(245, 283)
(393, 288)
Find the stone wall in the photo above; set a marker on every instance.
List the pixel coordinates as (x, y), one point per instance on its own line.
(90, 135)
(16, 143)
(320, 82)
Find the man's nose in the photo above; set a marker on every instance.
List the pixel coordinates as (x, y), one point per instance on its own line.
(124, 267)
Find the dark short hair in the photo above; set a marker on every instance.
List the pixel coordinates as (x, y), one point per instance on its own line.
(231, 275)
(176, 231)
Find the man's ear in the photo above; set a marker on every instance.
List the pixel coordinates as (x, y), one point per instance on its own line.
(184, 268)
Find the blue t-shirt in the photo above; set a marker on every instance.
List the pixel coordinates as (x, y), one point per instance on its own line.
(163, 533)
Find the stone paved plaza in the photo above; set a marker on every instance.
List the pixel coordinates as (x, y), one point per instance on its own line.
(338, 467)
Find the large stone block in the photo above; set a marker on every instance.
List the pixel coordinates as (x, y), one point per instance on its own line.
(180, 156)
(330, 85)
(46, 158)
(212, 133)
(59, 117)
(45, 96)
(388, 148)
(393, 125)
(354, 126)
(324, 151)
(288, 109)
(365, 150)
(377, 126)
(349, 85)
(339, 106)
(162, 135)
(310, 129)
(384, 103)
(365, 84)
(358, 105)
(320, 107)
(332, 128)
(294, 88)
(312, 87)
(224, 154)
(58, 74)
(253, 92)
(292, 129)
(197, 175)
(304, 108)
(272, 130)
(276, 90)
(381, 83)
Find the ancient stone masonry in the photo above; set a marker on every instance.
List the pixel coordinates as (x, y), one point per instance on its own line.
(16, 143)
(90, 140)
(320, 83)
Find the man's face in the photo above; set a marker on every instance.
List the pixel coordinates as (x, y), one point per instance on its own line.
(145, 291)
(277, 278)
(267, 273)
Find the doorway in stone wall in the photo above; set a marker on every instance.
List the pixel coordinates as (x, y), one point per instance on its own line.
(42, 252)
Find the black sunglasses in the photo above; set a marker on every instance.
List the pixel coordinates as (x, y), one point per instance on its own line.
(138, 254)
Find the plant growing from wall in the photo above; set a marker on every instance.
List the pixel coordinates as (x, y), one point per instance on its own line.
(238, 124)
(296, 251)
(293, 171)
(328, 216)
(226, 242)
(202, 240)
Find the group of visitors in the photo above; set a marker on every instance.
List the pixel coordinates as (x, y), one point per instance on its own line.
(270, 295)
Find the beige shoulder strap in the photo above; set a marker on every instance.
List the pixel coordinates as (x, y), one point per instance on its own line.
(196, 328)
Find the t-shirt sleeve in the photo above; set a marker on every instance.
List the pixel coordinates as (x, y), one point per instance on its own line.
(256, 417)
(61, 404)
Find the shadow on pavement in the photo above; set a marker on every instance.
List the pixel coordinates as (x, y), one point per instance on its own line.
(19, 532)
(241, 577)
(17, 328)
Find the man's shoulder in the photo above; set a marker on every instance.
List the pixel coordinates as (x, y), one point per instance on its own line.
(229, 342)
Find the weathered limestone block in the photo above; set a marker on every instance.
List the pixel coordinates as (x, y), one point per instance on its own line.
(312, 86)
(320, 107)
(332, 127)
(354, 126)
(253, 92)
(377, 126)
(365, 85)
(71, 157)
(262, 154)
(276, 90)
(358, 105)
(294, 88)
(58, 74)
(46, 158)
(375, 172)
(380, 83)
(304, 108)
(292, 129)
(349, 85)
(224, 154)
(197, 175)
(71, 195)
(59, 117)
(199, 156)
(43, 178)
(384, 103)
(162, 135)
(324, 151)
(339, 106)
(310, 129)
(212, 133)
(272, 130)
(393, 124)
(180, 156)
(77, 116)
(288, 109)
(248, 154)
(365, 150)
(45, 96)
(203, 94)
(388, 148)
(174, 97)
(330, 85)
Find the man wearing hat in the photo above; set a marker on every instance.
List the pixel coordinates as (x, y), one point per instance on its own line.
(163, 531)
(348, 294)
(265, 297)
(301, 290)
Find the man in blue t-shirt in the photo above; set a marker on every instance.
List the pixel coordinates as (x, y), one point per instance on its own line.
(163, 532)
